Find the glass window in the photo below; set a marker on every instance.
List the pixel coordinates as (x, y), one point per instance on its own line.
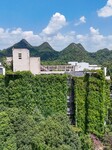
(20, 55)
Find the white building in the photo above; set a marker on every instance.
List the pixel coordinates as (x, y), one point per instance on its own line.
(2, 69)
(81, 66)
(23, 62)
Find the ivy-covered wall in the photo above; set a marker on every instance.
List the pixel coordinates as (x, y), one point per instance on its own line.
(46, 93)
(92, 101)
(3, 92)
(96, 108)
(79, 101)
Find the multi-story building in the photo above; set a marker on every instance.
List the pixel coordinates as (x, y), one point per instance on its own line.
(73, 68)
(22, 61)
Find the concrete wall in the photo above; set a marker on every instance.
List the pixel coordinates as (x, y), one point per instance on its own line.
(94, 67)
(9, 60)
(25, 62)
(35, 65)
(83, 65)
(22, 64)
(2, 70)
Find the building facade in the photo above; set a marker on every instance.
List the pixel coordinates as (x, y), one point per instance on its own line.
(22, 61)
(74, 68)
(2, 69)
(81, 66)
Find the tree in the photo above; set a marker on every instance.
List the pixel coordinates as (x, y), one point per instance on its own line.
(7, 134)
(56, 133)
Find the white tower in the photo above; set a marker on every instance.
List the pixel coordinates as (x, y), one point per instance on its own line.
(23, 62)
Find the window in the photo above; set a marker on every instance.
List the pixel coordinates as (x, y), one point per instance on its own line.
(19, 55)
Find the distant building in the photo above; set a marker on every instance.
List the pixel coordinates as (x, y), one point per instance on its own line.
(22, 61)
(72, 68)
(2, 69)
(81, 66)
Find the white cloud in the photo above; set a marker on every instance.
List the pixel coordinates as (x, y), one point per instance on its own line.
(82, 20)
(57, 22)
(1, 30)
(109, 2)
(16, 31)
(96, 38)
(94, 31)
(92, 41)
(106, 11)
(10, 37)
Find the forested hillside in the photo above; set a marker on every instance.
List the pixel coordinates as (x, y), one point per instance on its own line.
(73, 52)
(33, 112)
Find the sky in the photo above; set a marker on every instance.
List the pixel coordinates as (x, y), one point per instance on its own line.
(59, 22)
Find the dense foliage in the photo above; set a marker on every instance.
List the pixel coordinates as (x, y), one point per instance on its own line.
(92, 103)
(22, 131)
(33, 111)
(80, 100)
(46, 93)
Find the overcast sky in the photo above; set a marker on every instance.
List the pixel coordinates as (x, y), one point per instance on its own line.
(58, 22)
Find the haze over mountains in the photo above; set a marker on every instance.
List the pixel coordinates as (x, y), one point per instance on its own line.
(73, 52)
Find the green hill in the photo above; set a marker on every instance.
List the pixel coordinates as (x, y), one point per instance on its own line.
(46, 52)
(73, 52)
(22, 44)
(102, 55)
